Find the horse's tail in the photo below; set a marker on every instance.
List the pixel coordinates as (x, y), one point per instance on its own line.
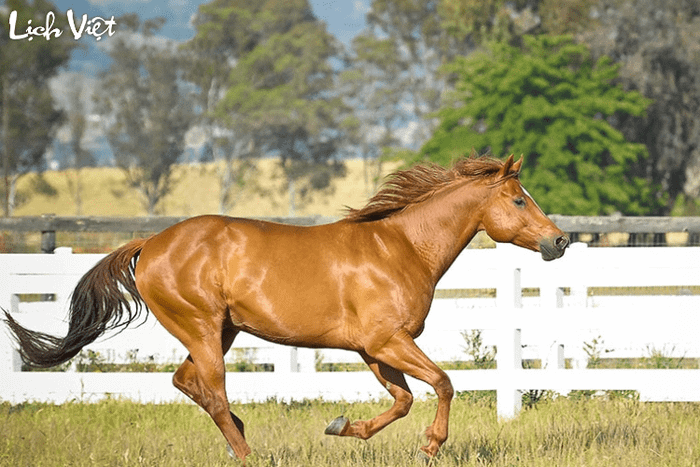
(98, 303)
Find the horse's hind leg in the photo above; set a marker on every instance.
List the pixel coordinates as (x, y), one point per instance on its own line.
(395, 382)
(202, 377)
(187, 381)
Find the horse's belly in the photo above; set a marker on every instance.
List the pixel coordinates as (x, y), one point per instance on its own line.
(291, 325)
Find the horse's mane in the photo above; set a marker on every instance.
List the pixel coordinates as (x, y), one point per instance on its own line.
(411, 186)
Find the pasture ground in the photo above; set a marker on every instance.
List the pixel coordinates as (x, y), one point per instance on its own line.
(560, 432)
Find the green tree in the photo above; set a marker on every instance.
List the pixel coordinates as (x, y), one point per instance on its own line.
(550, 102)
(661, 59)
(278, 97)
(507, 20)
(480, 20)
(392, 81)
(222, 38)
(146, 107)
(80, 157)
(423, 35)
(414, 33)
(372, 86)
(567, 16)
(29, 115)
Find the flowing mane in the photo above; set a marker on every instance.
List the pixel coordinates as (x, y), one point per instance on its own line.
(411, 186)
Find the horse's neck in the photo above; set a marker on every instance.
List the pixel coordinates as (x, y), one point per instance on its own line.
(442, 226)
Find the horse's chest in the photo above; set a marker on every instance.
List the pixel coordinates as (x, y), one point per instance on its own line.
(416, 330)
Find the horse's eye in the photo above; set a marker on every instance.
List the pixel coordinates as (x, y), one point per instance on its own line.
(520, 202)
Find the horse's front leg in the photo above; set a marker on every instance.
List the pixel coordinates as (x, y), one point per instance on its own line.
(401, 353)
(394, 382)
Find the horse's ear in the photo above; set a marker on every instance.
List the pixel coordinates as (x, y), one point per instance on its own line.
(510, 167)
(517, 165)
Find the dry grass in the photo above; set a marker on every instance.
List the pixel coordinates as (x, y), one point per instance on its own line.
(196, 191)
(562, 432)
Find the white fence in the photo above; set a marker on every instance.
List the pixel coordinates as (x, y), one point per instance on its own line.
(552, 327)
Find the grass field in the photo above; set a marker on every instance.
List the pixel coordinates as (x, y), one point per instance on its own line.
(559, 432)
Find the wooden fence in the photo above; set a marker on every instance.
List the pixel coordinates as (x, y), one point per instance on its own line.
(482, 290)
(651, 231)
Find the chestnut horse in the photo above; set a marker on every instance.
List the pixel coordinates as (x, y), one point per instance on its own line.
(364, 283)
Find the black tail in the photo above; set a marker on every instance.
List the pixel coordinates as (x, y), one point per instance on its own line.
(98, 304)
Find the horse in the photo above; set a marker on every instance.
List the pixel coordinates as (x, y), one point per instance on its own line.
(364, 283)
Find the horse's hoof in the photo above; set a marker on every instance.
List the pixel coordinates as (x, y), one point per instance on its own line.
(338, 426)
(423, 457)
(232, 454)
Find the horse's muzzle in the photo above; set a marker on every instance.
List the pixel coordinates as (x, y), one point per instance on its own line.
(553, 247)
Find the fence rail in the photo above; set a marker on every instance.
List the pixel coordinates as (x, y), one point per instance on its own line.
(637, 228)
(550, 324)
(599, 224)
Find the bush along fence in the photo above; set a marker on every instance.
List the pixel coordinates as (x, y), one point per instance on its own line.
(543, 319)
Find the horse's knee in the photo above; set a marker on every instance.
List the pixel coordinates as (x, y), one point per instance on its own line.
(444, 388)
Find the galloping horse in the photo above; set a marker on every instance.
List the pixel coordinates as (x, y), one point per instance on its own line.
(364, 283)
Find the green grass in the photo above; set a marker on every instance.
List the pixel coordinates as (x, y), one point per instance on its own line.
(560, 432)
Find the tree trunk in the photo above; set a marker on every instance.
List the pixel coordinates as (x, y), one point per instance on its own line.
(291, 186)
(6, 142)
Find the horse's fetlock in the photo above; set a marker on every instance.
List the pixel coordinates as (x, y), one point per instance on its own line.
(362, 432)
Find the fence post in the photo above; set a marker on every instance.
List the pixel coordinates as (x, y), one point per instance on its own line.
(9, 357)
(48, 241)
(555, 357)
(62, 296)
(509, 360)
(48, 245)
(577, 255)
(552, 296)
(286, 359)
(306, 359)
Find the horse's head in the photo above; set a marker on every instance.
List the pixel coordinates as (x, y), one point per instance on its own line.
(511, 216)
